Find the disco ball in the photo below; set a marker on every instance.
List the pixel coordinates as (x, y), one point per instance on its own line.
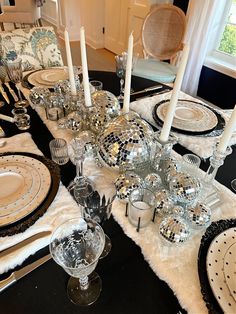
(174, 229)
(199, 215)
(184, 188)
(97, 119)
(126, 142)
(38, 94)
(126, 183)
(107, 102)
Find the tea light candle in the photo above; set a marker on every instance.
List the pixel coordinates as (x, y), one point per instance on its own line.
(228, 131)
(174, 96)
(128, 74)
(87, 94)
(69, 64)
(142, 210)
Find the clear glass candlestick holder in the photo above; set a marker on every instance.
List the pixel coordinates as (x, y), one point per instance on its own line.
(161, 159)
(216, 161)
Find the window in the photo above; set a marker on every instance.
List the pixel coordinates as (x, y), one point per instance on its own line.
(222, 56)
(228, 39)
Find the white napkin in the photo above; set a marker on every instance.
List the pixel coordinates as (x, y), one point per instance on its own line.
(194, 143)
(62, 208)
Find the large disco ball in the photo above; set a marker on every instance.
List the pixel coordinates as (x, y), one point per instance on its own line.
(107, 102)
(126, 142)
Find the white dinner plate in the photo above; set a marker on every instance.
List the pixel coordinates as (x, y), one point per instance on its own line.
(15, 181)
(189, 116)
(230, 269)
(49, 77)
(215, 269)
(20, 202)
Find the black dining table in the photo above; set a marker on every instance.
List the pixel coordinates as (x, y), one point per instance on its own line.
(129, 284)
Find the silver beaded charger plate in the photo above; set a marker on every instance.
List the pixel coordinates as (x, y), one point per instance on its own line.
(189, 116)
(48, 78)
(215, 262)
(26, 184)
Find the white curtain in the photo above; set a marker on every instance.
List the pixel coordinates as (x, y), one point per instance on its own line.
(203, 18)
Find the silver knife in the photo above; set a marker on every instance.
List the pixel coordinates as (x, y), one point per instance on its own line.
(18, 274)
(4, 94)
(148, 89)
(11, 91)
(24, 243)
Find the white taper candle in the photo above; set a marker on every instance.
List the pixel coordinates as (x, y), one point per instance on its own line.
(70, 64)
(174, 96)
(228, 131)
(87, 94)
(128, 75)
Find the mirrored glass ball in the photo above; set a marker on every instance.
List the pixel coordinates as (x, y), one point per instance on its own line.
(126, 142)
(97, 119)
(184, 188)
(199, 215)
(73, 122)
(163, 201)
(174, 229)
(106, 101)
(38, 95)
(152, 181)
(126, 183)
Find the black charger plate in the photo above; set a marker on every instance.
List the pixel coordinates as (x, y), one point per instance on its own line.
(212, 231)
(29, 220)
(216, 131)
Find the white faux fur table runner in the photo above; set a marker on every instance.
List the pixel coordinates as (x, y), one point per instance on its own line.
(175, 265)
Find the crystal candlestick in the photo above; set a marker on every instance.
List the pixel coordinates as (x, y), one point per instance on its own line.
(216, 161)
(161, 155)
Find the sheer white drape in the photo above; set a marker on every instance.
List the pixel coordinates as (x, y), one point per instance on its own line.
(203, 17)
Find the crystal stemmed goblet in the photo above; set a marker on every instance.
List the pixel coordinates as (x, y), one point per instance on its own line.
(121, 61)
(81, 186)
(15, 74)
(76, 246)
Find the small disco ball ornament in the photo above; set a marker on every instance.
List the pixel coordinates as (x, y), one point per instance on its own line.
(163, 201)
(73, 122)
(174, 229)
(184, 188)
(152, 181)
(198, 216)
(38, 94)
(126, 142)
(178, 210)
(126, 183)
(97, 119)
(106, 101)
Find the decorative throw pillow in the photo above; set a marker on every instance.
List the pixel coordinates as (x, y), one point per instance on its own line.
(37, 47)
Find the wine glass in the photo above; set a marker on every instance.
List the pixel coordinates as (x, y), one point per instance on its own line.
(81, 186)
(121, 61)
(15, 74)
(233, 184)
(76, 246)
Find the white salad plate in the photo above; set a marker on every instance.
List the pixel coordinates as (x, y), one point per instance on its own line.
(26, 184)
(189, 116)
(49, 77)
(215, 264)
